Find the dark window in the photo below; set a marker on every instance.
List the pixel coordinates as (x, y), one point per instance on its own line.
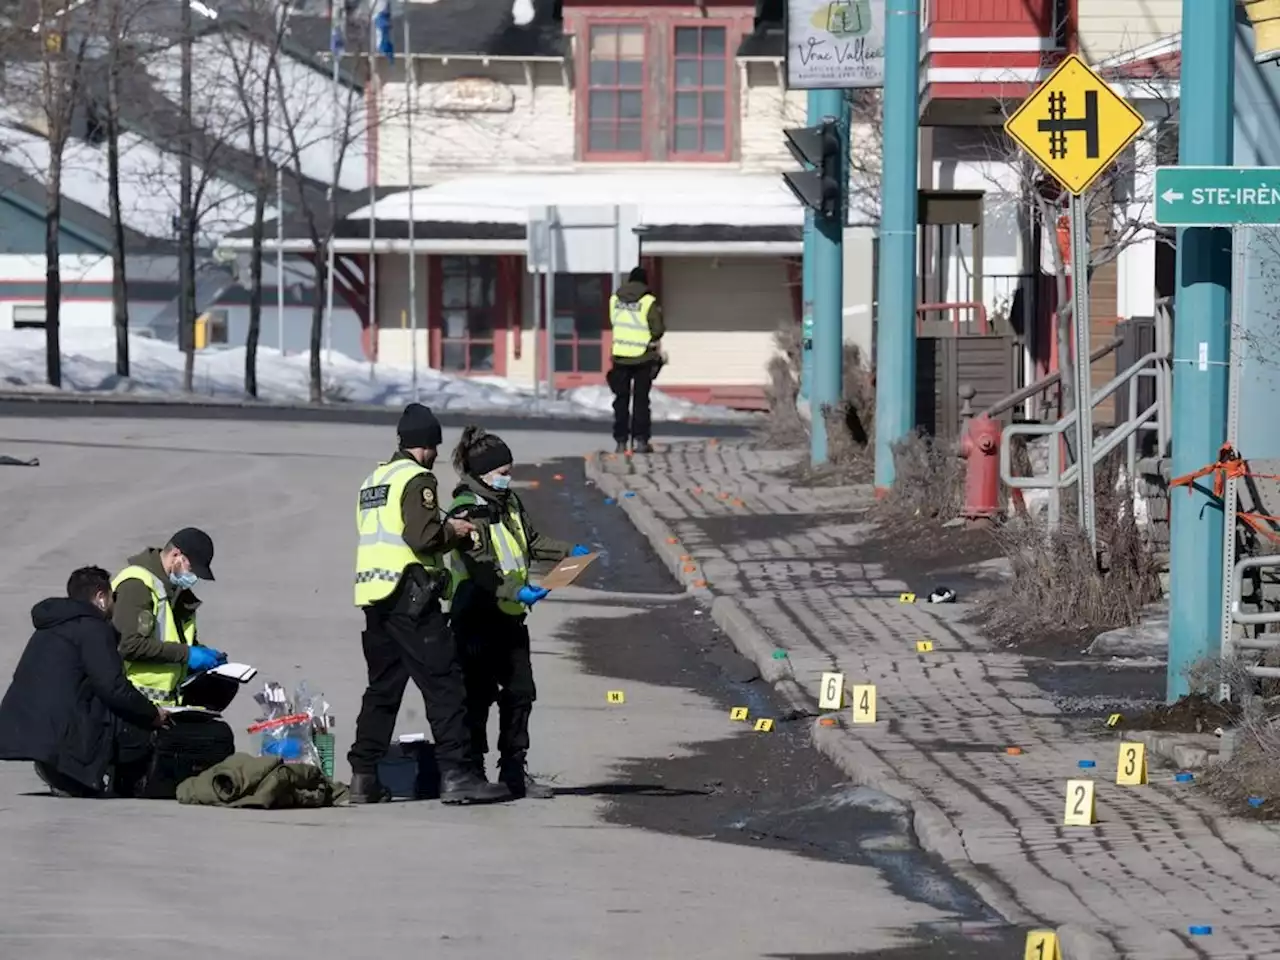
(700, 92)
(468, 298)
(615, 90)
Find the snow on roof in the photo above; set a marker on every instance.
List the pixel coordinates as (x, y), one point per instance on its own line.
(148, 183)
(226, 61)
(664, 198)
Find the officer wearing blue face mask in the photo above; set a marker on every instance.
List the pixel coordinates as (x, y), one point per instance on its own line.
(155, 612)
(491, 600)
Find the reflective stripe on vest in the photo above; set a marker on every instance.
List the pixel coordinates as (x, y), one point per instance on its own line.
(630, 323)
(510, 548)
(159, 682)
(381, 553)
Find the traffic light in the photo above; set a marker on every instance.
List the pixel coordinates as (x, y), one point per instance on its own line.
(821, 184)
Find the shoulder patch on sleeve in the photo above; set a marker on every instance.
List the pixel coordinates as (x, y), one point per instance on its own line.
(428, 497)
(146, 623)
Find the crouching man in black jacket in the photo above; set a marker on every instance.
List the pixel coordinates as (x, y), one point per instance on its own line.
(69, 693)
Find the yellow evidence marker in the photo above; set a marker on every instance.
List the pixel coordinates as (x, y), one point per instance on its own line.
(737, 713)
(615, 696)
(831, 693)
(1042, 945)
(764, 725)
(1081, 810)
(924, 646)
(906, 598)
(1114, 719)
(1131, 770)
(864, 703)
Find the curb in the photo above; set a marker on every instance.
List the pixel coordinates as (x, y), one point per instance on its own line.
(933, 828)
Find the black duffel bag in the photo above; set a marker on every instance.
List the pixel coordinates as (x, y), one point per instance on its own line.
(191, 744)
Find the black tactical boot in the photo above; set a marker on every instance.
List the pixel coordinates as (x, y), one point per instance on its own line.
(463, 786)
(367, 788)
(517, 778)
(621, 447)
(641, 446)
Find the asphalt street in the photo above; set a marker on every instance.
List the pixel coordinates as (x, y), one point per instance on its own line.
(677, 832)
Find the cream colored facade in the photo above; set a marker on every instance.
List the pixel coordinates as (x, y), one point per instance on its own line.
(1110, 27)
(476, 115)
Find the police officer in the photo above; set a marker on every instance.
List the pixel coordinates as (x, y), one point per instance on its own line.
(155, 612)
(400, 580)
(492, 597)
(638, 328)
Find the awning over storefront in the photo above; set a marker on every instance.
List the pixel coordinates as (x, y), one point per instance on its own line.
(681, 212)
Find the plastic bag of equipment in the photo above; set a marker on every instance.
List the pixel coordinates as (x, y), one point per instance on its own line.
(289, 725)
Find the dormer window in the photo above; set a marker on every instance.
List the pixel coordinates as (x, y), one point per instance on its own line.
(700, 92)
(615, 91)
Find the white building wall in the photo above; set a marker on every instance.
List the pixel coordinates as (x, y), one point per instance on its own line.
(471, 117)
(721, 316)
(1108, 27)
(767, 108)
(395, 332)
(981, 158)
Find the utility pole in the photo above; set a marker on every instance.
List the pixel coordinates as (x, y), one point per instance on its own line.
(186, 215)
(813, 118)
(1201, 345)
(899, 184)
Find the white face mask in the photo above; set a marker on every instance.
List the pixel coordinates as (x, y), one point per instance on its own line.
(498, 481)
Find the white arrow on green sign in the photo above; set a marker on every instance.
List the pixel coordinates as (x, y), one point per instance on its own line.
(1217, 196)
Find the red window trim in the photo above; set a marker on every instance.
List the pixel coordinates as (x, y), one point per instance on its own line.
(584, 93)
(669, 108)
(435, 318)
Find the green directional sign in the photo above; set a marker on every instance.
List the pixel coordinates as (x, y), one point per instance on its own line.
(1217, 196)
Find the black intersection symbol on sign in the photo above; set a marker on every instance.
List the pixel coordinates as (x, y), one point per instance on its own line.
(1059, 124)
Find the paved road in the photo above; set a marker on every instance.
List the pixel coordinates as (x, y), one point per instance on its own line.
(594, 873)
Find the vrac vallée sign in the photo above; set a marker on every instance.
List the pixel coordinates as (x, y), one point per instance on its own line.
(835, 44)
(1217, 196)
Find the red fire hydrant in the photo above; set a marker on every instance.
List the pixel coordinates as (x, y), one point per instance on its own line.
(980, 448)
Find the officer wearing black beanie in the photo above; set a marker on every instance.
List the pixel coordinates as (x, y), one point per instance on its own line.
(401, 577)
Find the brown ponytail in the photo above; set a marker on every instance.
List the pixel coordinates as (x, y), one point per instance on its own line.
(471, 435)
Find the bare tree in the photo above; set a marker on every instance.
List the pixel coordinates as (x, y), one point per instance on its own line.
(252, 59)
(301, 103)
(61, 69)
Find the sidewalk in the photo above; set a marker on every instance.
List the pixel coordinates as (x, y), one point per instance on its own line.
(780, 567)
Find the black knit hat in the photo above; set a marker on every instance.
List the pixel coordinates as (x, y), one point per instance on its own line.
(488, 455)
(418, 427)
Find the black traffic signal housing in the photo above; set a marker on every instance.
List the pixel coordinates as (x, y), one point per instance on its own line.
(821, 150)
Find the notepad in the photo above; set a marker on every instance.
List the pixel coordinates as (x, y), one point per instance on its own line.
(239, 672)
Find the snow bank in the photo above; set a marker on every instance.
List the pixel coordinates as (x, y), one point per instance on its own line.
(88, 366)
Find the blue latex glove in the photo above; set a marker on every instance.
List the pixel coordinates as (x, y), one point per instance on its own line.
(579, 551)
(203, 658)
(529, 595)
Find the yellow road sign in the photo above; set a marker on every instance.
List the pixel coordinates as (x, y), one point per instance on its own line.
(1074, 125)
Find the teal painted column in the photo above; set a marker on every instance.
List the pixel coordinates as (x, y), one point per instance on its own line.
(806, 282)
(1201, 345)
(899, 181)
(828, 294)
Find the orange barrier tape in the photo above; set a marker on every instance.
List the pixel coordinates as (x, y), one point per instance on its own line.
(1231, 466)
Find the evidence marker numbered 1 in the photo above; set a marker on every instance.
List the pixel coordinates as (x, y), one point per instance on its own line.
(1042, 945)
(615, 696)
(831, 693)
(924, 646)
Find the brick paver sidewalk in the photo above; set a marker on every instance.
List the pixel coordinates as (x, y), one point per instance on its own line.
(1158, 861)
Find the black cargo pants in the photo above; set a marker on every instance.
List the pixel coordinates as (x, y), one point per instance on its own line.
(498, 668)
(406, 640)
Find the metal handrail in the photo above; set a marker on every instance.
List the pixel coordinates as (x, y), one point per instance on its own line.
(1045, 382)
(979, 311)
(1154, 364)
(1248, 619)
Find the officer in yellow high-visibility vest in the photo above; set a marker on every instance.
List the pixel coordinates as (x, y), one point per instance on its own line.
(400, 579)
(155, 612)
(491, 600)
(636, 321)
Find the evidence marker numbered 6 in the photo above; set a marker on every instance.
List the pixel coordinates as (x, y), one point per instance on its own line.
(831, 693)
